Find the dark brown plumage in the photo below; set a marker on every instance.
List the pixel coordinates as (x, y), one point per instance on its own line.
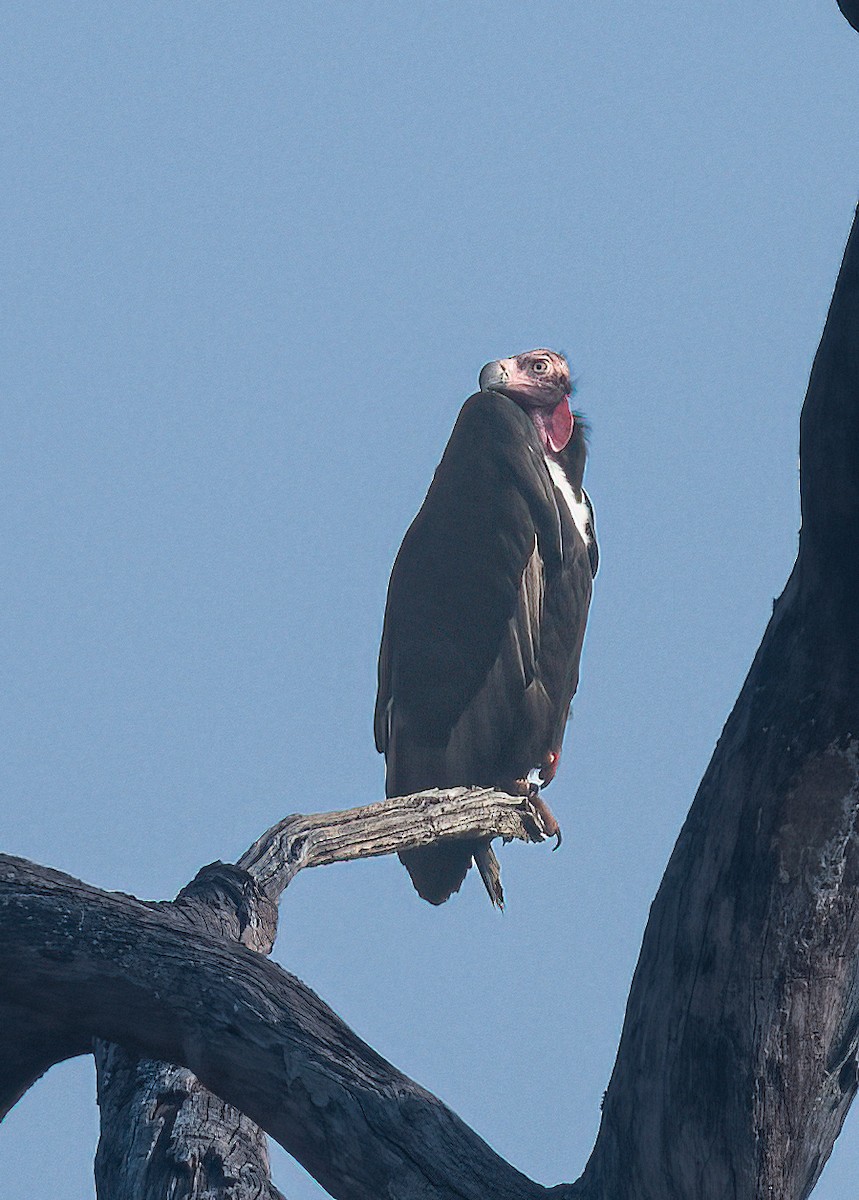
(488, 602)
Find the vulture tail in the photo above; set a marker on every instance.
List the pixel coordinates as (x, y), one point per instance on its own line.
(438, 871)
(490, 872)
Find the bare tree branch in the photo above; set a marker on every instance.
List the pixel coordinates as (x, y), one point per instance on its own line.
(161, 1131)
(30, 1043)
(109, 966)
(171, 1137)
(400, 823)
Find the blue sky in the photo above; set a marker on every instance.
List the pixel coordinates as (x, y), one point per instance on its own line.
(254, 258)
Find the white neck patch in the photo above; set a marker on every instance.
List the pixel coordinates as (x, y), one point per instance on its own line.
(578, 508)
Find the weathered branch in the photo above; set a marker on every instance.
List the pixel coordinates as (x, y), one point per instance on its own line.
(165, 1135)
(162, 1133)
(160, 1128)
(829, 456)
(109, 966)
(30, 1043)
(401, 823)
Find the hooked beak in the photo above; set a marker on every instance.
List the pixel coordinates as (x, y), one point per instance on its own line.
(493, 375)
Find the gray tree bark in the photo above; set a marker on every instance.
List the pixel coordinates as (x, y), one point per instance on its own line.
(162, 1133)
(78, 964)
(739, 1055)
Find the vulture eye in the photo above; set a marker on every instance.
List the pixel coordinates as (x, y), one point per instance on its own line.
(541, 366)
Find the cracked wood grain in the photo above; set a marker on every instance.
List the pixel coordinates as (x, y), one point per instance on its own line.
(95, 964)
(400, 823)
(162, 1132)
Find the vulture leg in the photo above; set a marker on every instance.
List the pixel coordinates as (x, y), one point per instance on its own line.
(531, 789)
(548, 820)
(548, 769)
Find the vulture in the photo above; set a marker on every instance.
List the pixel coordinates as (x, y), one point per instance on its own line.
(487, 606)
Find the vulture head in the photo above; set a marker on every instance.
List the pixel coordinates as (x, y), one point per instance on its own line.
(539, 382)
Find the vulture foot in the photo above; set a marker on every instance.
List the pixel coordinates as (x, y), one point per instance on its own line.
(547, 820)
(550, 823)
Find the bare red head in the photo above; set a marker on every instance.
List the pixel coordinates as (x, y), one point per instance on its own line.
(539, 382)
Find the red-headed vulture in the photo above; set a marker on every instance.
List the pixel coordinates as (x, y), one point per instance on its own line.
(487, 606)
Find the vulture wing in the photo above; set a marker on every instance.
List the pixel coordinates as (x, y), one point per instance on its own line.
(461, 699)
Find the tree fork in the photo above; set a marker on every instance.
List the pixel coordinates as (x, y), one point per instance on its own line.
(740, 1048)
(162, 1132)
(170, 1132)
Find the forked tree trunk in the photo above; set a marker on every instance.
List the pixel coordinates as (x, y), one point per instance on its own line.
(163, 1135)
(738, 1057)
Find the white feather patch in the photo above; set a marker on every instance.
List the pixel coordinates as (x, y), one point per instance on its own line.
(578, 508)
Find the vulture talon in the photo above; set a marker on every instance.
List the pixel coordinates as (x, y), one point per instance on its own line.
(551, 828)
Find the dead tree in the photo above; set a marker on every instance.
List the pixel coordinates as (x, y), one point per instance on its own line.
(738, 1058)
(850, 9)
(185, 1131)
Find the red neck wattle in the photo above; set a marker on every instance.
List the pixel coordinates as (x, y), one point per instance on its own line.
(555, 426)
